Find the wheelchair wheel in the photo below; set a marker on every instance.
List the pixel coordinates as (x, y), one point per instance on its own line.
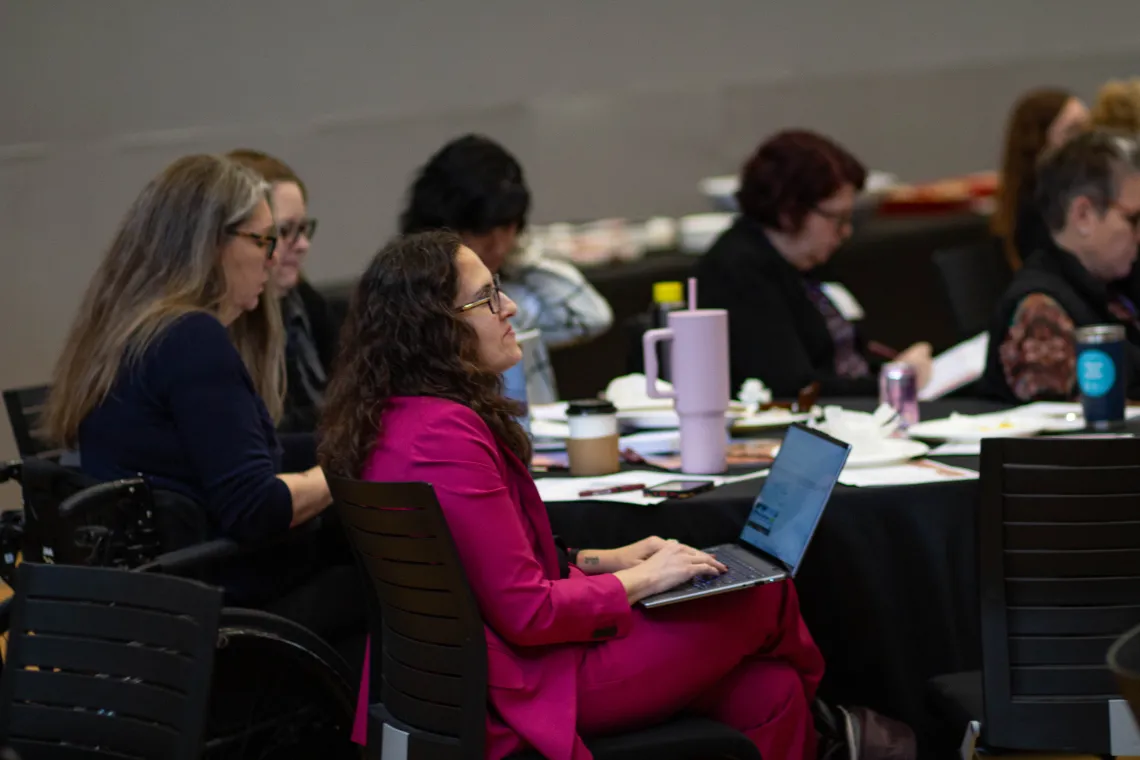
(278, 692)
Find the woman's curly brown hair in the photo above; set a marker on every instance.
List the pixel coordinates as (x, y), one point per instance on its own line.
(402, 337)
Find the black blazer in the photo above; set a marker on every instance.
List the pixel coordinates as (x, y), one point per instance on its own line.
(300, 415)
(1059, 275)
(775, 332)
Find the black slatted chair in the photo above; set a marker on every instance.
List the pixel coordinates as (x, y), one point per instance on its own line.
(1059, 555)
(24, 406)
(433, 687)
(974, 277)
(277, 687)
(107, 664)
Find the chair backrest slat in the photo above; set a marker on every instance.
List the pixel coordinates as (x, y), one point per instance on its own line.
(440, 688)
(446, 659)
(131, 737)
(1046, 650)
(1059, 509)
(1061, 621)
(425, 629)
(424, 715)
(1042, 592)
(113, 663)
(118, 623)
(1045, 564)
(144, 702)
(1039, 682)
(28, 748)
(1059, 551)
(434, 662)
(1073, 536)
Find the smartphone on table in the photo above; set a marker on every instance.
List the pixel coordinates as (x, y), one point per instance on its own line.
(680, 489)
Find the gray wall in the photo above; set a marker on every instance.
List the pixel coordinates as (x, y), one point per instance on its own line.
(615, 107)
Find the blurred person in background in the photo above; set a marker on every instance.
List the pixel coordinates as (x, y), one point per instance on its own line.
(1117, 106)
(310, 332)
(474, 187)
(1088, 194)
(797, 198)
(1041, 119)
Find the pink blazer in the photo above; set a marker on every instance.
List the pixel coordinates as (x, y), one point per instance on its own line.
(538, 625)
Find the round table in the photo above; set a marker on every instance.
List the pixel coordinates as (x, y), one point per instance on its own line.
(888, 586)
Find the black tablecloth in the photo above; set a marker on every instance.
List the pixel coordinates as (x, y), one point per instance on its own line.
(888, 586)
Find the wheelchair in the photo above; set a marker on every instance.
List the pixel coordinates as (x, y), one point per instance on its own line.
(279, 691)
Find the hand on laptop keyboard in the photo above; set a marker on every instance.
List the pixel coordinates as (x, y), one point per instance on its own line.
(672, 564)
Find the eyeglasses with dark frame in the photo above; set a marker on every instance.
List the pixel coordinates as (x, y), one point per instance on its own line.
(291, 231)
(267, 242)
(494, 301)
(838, 218)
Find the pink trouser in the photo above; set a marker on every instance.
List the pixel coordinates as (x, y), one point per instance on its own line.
(743, 658)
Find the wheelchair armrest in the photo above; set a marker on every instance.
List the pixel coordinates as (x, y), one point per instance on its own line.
(103, 494)
(200, 556)
(11, 470)
(182, 561)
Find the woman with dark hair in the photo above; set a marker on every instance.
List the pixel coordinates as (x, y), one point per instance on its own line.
(796, 198)
(473, 186)
(418, 397)
(1040, 119)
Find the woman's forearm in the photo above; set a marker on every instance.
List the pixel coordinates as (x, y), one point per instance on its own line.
(597, 561)
(310, 494)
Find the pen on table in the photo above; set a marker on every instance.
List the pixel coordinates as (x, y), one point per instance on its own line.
(882, 351)
(613, 489)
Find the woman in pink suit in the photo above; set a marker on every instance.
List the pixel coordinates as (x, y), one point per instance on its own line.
(417, 397)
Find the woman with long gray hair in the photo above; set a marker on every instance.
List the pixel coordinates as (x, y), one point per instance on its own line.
(173, 370)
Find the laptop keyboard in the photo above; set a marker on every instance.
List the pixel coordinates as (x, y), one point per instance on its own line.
(737, 572)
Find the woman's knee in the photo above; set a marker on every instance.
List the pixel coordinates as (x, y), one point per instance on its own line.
(764, 691)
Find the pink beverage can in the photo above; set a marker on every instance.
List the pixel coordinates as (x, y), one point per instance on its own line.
(898, 389)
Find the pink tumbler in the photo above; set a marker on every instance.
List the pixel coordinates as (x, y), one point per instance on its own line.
(699, 358)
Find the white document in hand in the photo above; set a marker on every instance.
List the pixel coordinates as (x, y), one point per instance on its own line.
(957, 366)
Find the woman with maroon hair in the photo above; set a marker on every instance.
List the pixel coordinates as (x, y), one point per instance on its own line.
(797, 196)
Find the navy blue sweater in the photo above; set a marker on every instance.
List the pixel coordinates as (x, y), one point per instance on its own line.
(187, 417)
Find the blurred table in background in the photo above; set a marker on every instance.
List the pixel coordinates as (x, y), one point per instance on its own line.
(886, 265)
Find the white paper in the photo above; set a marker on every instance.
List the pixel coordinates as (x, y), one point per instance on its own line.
(911, 473)
(567, 489)
(965, 449)
(957, 366)
(843, 301)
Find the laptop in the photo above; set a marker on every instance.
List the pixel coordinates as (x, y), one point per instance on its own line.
(776, 534)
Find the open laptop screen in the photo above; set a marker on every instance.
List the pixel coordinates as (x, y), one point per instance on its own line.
(792, 499)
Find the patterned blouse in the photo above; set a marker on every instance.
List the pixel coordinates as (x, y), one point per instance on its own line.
(849, 362)
(1038, 355)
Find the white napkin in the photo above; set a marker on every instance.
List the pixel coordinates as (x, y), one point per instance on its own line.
(859, 427)
(628, 392)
